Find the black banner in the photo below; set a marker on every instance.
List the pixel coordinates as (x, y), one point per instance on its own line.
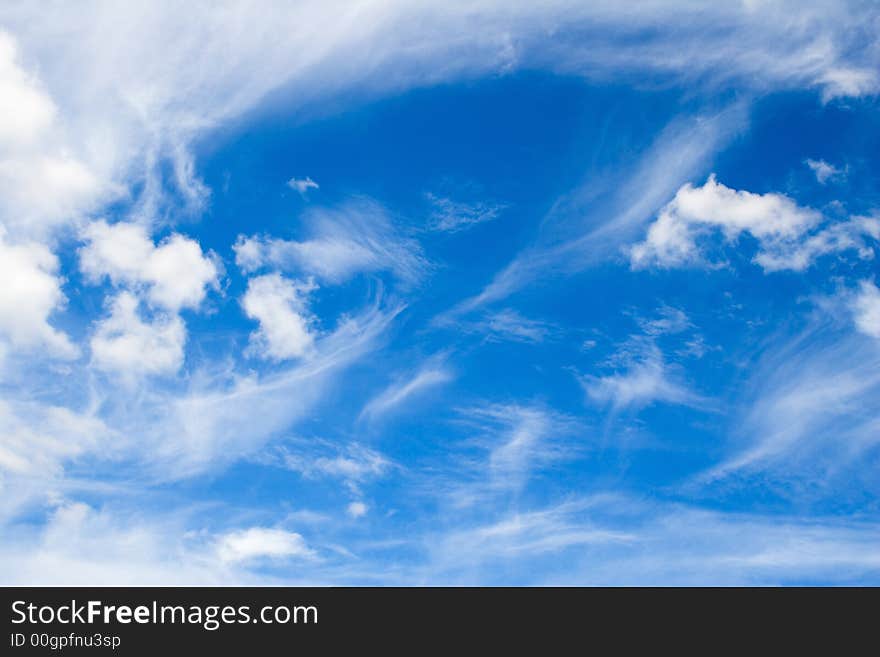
(135, 621)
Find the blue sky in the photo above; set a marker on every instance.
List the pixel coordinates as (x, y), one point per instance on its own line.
(478, 293)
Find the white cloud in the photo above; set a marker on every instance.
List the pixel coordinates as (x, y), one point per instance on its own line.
(398, 393)
(30, 291)
(27, 110)
(514, 536)
(524, 442)
(508, 324)
(175, 274)
(357, 509)
(149, 97)
(808, 407)
(591, 222)
(645, 381)
(515, 441)
(41, 183)
(124, 344)
(79, 545)
(857, 234)
(670, 320)
(262, 543)
(36, 440)
(453, 216)
(82, 545)
(824, 172)
(782, 228)
(356, 237)
(302, 185)
(227, 416)
(118, 104)
(614, 539)
(866, 307)
(354, 464)
(280, 306)
(671, 239)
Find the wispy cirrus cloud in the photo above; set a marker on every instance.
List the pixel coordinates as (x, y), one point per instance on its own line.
(593, 221)
(344, 241)
(432, 374)
(352, 463)
(453, 216)
(507, 445)
(808, 409)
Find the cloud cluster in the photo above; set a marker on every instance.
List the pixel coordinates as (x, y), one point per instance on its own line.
(42, 184)
(280, 306)
(170, 276)
(788, 235)
(174, 274)
(30, 292)
(123, 343)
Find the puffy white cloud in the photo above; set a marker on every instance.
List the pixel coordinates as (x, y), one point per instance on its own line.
(866, 307)
(41, 183)
(123, 343)
(262, 543)
(784, 230)
(671, 239)
(27, 110)
(30, 290)
(357, 509)
(356, 237)
(175, 274)
(280, 306)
